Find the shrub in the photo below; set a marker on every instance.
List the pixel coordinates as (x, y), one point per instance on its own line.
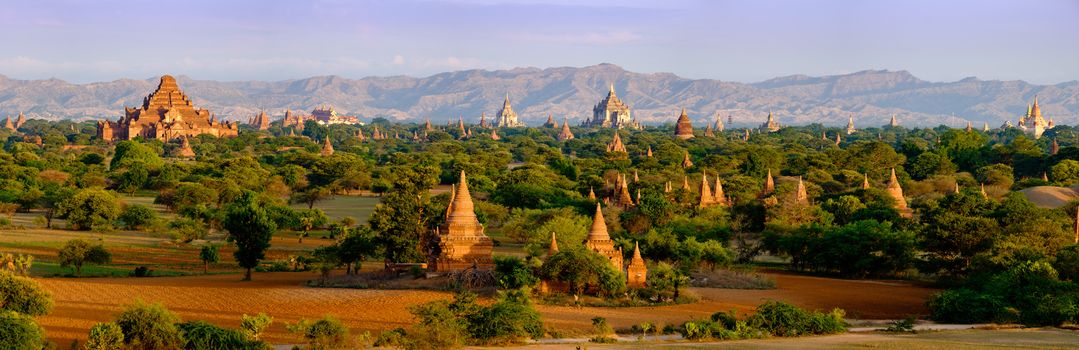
(512, 273)
(19, 332)
(150, 327)
(1067, 263)
(77, 252)
(185, 230)
(104, 336)
(786, 320)
(584, 269)
(137, 216)
(142, 271)
(253, 326)
(508, 320)
(322, 334)
(200, 335)
(23, 295)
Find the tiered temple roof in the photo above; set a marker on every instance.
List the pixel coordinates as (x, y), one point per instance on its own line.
(707, 198)
(850, 125)
(507, 118)
(461, 241)
(327, 147)
(565, 134)
(616, 144)
(683, 128)
(599, 240)
(166, 114)
(611, 112)
(637, 272)
(771, 125)
(896, 191)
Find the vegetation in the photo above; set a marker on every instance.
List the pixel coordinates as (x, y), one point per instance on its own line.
(77, 252)
(250, 228)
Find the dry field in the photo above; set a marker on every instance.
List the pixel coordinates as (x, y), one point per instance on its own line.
(221, 299)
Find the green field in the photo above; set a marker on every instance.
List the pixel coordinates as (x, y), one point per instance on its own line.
(338, 207)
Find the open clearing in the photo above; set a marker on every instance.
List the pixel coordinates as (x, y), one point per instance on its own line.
(222, 299)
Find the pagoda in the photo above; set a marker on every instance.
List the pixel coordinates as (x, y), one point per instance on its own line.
(20, 121)
(327, 147)
(769, 185)
(599, 240)
(507, 118)
(683, 128)
(850, 125)
(611, 112)
(637, 272)
(550, 122)
(185, 150)
(686, 163)
(896, 191)
(616, 144)
(800, 195)
(771, 125)
(260, 121)
(719, 123)
(1033, 123)
(720, 197)
(565, 134)
(8, 124)
(707, 199)
(461, 242)
(166, 114)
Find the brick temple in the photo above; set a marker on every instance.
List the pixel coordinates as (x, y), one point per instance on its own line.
(166, 114)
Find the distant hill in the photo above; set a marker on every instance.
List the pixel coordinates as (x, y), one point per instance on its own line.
(872, 96)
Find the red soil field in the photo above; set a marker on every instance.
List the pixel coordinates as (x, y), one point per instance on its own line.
(222, 299)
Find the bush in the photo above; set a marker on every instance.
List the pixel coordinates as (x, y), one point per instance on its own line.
(19, 332)
(512, 273)
(104, 336)
(77, 252)
(137, 216)
(583, 270)
(323, 334)
(200, 335)
(508, 320)
(23, 295)
(142, 271)
(185, 230)
(967, 306)
(786, 320)
(150, 326)
(253, 326)
(1067, 263)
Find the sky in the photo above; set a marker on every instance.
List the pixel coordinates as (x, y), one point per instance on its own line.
(747, 41)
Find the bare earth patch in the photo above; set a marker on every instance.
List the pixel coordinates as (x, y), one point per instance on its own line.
(221, 299)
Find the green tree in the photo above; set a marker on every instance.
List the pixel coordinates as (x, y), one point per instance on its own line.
(310, 219)
(400, 221)
(105, 336)
(78, 252)
(150, 327)
(19, 332)
(23, 295)
(581, 269)
(1066, 172)
(89, 207)
(251, 229)
(209, 255)
(128, 152)
(253, 326)
(996, 174)
(137, 216)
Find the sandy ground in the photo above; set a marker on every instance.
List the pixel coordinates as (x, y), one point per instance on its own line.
(1051, 196)
(951, 340)
(221, 299)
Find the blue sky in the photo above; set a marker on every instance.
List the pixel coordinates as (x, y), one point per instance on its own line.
(85, 41)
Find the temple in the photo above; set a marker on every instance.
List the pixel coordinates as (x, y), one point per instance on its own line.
(565, 134)
(600, 241)
(260, 121)
(461, 242)
(707, 199)
(771, 125)
(896, 191)
(616, 144)
(1033, 123)
(166, 114)
(507, 118)
(684, 128)
(850, 125)
(637, 272)
(611, 112)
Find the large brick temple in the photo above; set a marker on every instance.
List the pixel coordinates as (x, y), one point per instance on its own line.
(461, 242)
(166, 114)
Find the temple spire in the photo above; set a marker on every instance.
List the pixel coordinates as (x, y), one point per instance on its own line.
(769, 183)
(865, 181)
(598, 232)
(553, 248)
(801, 196)
(707, 199)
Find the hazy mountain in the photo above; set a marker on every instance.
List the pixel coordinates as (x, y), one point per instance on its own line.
(872, 96)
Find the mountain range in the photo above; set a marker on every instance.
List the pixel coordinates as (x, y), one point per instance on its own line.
(871, 96)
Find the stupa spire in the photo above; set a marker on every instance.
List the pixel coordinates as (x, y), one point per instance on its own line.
(598, 232)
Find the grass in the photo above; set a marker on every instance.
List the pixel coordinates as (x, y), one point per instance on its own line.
(338, 207)
(51, 269)
(733, 278)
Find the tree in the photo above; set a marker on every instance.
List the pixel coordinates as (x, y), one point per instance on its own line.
(23, 295)
(19, 332)
(78, 252)
(253, 326)
(137, 216)
(666, 278)
(89, 207)
(105, 336)
(128, 152)
(1066, 172)
(400, 221)
(150, 327)
(311, 196)
(208, 254)
(309, 219)
(996, 174)
(581, 269)
(251, 228)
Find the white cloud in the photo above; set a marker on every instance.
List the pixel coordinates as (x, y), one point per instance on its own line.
(398, 60)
